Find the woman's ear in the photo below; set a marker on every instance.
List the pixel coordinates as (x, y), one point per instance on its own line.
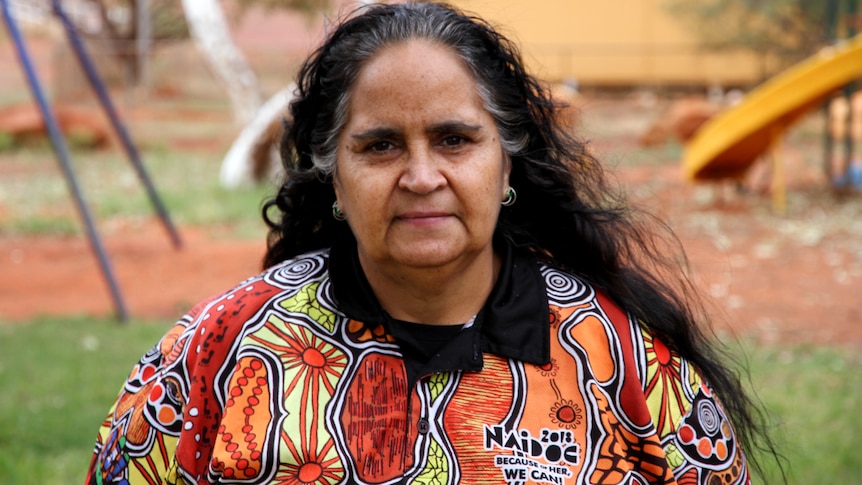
(336, 185)
(507, 170)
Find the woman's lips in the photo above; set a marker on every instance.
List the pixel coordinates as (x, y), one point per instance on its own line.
(423, 217)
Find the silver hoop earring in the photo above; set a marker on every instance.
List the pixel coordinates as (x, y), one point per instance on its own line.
(337, 213)
(511, 196)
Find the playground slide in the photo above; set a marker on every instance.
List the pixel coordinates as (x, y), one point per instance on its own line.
(729, 143)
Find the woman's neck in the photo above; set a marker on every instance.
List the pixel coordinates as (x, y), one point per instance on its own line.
(448, 295)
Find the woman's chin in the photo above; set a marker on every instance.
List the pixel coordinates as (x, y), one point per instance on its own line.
(433, 254)
(426, 257)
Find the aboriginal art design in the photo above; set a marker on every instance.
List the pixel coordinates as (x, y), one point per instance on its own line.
(271, 383)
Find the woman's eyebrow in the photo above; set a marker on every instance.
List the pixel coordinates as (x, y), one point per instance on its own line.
(438, 128)
(375, 134)
(454, 127)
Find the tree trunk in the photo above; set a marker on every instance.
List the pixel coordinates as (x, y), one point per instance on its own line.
(210, 32)
(253, 157)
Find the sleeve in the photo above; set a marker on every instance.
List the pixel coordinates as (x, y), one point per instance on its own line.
(137, 440)
(165, 422)
(694, 431)
(171, 389)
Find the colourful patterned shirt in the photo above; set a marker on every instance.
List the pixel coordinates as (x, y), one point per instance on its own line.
(293, 377)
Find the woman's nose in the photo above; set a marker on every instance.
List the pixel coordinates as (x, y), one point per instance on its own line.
(421, 173)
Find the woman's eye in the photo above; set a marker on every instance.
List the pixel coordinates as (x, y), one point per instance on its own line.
(454, 140)
(380, 146)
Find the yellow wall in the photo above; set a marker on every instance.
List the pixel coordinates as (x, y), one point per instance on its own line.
(612, 42)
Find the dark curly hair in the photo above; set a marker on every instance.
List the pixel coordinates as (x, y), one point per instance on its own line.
(567, 211)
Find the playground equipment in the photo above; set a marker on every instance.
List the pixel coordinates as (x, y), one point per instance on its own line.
(61, 149)
(727, 145)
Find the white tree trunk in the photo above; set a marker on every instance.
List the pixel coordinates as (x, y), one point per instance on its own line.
(237, 166)
(209, 30)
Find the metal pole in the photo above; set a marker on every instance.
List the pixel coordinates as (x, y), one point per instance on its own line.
(828, 147)
(144, 35)
(831, 33)
(119, 127)
(831, 20)
(847, 155)
(62, 153)
(850, 20)
(849, 91)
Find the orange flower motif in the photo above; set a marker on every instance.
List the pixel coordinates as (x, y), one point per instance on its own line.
(566, 414)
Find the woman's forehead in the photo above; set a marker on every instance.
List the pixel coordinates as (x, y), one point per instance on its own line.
(415, 79)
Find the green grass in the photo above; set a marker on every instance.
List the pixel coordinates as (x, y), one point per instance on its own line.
(37, 199)
(814, 394)
(59, 377)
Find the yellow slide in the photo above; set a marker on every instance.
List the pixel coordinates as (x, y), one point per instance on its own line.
(728, 144)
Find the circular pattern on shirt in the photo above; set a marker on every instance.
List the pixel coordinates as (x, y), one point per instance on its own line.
(299, 271)
(310, 472)
(708, 416)
(566, 414)
(164, 404)
(563, 288)
(704, 435)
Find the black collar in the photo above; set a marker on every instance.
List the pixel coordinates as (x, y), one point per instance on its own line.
(514, 323)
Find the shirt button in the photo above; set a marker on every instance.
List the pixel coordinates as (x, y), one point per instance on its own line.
(423, 426)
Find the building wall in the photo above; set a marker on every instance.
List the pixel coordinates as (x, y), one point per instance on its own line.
(614, 42)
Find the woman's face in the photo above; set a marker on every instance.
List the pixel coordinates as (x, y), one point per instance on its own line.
(420, 172)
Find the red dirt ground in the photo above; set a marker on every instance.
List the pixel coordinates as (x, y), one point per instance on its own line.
(61, 276)
(775, 279)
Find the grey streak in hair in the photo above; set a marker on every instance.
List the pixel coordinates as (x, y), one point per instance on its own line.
(430, 25)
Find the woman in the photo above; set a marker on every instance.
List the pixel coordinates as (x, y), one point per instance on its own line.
(451, 296)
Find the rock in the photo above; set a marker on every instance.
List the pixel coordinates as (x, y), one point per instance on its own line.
(82, 127)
